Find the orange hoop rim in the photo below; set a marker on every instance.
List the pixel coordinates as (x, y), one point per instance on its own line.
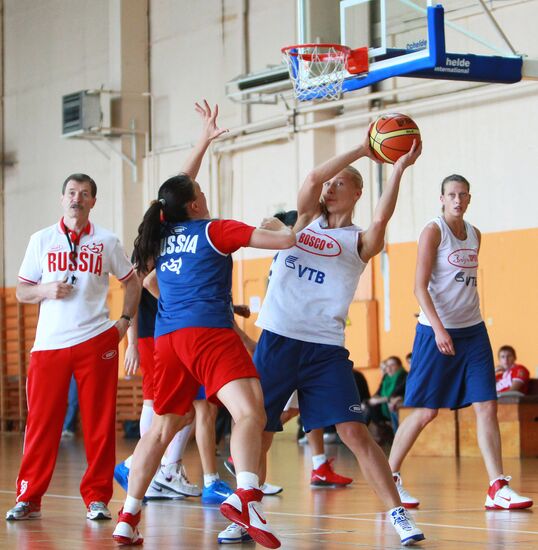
(287, 50)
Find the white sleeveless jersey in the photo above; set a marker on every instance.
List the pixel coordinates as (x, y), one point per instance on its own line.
(453, 282)
(312, 285)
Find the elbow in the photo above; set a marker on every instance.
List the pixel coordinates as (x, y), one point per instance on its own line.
(418, 291)
(21, 295)
(146, 284)
(290, 240)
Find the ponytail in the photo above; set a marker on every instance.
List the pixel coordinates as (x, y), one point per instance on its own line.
(146, 245)
(171, 207)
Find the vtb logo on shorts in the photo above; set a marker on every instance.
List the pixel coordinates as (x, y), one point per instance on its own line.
(356, 408)
(110, 354)
(305, 272)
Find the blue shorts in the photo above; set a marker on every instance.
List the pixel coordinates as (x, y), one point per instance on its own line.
(322, 374)
(438, 381)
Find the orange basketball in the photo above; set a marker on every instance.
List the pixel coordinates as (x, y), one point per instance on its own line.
(392, 135)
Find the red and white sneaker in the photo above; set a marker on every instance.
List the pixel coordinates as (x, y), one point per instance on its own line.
(408, 501)
(126, 531)
(244, 508)
(325, 476)
(502, 497)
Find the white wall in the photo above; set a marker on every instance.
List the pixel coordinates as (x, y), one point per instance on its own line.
(54, 47)
(51, 48)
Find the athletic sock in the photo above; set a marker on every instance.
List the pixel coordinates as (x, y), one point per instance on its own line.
(318, 460)
(247, 480)
(176, 448)
(145, 419)
(132, 505)
(494, 480)
(210, 478)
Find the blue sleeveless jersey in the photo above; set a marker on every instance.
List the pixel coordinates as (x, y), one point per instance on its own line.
(195, 280)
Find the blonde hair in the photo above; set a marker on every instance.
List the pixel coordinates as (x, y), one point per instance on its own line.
(356, 175)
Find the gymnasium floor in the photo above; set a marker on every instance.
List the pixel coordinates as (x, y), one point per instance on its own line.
(451, 514)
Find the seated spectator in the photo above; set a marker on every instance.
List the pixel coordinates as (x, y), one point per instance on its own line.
(509, 375)
(387, 400)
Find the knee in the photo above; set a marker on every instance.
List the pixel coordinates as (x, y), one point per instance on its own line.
(165, 428)
(486, 409)
(353, 433)
(255, 416)
(426, 416)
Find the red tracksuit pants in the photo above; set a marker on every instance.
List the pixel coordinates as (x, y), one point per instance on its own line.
(94, 364)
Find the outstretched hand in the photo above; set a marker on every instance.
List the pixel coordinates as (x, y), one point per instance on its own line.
(410, 158)
(210, 130)
(272, 224)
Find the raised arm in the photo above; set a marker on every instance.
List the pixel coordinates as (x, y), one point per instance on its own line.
(210, 131)
(373, 239)
(428, 244)
(308, 205)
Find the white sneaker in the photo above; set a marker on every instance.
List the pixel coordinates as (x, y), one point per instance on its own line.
(234, 534)
(173, 477)
(24, 510)
(502, 497)
(405, 526)
(408, 501)
(156, 492)
(97, 510)
(268, 489)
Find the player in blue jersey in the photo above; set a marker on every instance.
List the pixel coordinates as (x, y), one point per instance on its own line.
(194, 338)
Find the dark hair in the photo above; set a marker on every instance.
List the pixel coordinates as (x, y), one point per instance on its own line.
(457, 178)
(288, 218)
(509, 349)
(170, 207)
(396, 359)
(409, 356)
(81, 178)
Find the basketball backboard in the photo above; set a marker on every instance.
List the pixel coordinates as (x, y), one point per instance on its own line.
(455, 40)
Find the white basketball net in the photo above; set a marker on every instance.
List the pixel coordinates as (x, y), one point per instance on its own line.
(316, 70)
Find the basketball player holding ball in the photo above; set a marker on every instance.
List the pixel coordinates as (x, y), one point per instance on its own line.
(316, 279)
(452, 358)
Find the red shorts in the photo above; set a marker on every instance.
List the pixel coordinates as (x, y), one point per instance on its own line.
(189, 357)
(146, 349)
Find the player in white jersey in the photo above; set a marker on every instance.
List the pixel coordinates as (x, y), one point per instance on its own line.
(66, 271)
(452, 358)
(303, 316)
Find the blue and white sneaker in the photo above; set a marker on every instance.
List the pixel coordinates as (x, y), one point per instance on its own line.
(234, 534)
(405, 526)
(216, 493)
(121, 475)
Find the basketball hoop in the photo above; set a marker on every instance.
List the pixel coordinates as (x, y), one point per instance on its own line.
(318, 70)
